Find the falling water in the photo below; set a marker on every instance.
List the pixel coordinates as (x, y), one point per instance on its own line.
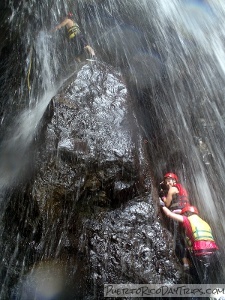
(33, 67)
(193, 113)
(38, 86)
(14, 148)
(188, 36)
(198, 98)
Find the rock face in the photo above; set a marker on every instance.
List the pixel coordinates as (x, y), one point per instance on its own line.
(93, 189)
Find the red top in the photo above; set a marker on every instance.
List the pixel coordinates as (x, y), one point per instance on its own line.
(180, 200)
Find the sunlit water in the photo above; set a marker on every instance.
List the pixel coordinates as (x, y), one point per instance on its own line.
(13, 151)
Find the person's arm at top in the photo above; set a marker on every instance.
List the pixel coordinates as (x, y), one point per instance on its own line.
(64, 23)
(172, 215)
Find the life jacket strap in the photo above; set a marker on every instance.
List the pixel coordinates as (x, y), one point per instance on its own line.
(73, 31)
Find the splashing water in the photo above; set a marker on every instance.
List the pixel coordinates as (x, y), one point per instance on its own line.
(14, 149)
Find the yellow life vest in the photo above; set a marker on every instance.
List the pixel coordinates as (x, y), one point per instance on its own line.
(73, 31)
(200, 229)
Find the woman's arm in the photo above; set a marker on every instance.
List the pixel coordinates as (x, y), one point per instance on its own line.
(64, 23)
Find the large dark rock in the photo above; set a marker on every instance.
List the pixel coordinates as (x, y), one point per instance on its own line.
(100, 223)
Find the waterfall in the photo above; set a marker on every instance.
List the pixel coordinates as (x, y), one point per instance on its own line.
(16, 144)
(193, 34)
(198, 97)
(41, 77)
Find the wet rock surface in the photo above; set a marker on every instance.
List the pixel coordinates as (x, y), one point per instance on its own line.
(94, 192)
(131, 239)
